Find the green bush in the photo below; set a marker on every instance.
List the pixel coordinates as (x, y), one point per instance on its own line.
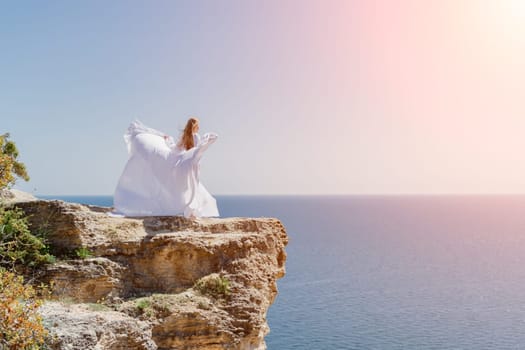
(21, 326)
(83, 253)
(18, 246)
(143, 304)
(214, 285)
(10, 167)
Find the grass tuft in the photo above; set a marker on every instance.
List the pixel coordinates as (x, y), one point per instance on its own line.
(213, 285)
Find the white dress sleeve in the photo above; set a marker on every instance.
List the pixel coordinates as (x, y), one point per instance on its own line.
(209, 137)
(136, 127)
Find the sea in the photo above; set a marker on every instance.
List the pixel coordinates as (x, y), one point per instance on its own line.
(393, 272)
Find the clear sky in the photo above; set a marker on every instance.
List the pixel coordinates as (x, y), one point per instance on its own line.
(335, 97)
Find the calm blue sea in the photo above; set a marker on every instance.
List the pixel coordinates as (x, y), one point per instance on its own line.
(414, 272)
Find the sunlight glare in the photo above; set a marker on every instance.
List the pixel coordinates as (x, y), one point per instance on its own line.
(512, 12)
(504, 20)
(515, 8)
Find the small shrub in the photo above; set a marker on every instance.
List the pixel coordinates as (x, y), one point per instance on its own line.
(214, 285)
(18, 246)
(83, 253)
(10, 167)
(21, 325)
(143, 304)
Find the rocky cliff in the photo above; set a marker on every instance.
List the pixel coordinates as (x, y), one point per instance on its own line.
(157, 282)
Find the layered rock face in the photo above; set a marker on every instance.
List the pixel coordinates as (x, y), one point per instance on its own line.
(157, 282)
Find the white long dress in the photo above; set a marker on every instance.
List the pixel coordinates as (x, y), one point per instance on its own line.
(161, 178)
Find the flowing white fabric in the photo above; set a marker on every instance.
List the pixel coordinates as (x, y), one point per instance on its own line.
(161, 178)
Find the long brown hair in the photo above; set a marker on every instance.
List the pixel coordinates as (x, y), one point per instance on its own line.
(186, 141)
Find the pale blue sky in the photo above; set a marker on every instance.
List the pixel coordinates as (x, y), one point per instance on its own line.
(303, 94)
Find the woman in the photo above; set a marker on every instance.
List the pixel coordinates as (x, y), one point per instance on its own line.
(190, 136)
(161, 177)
